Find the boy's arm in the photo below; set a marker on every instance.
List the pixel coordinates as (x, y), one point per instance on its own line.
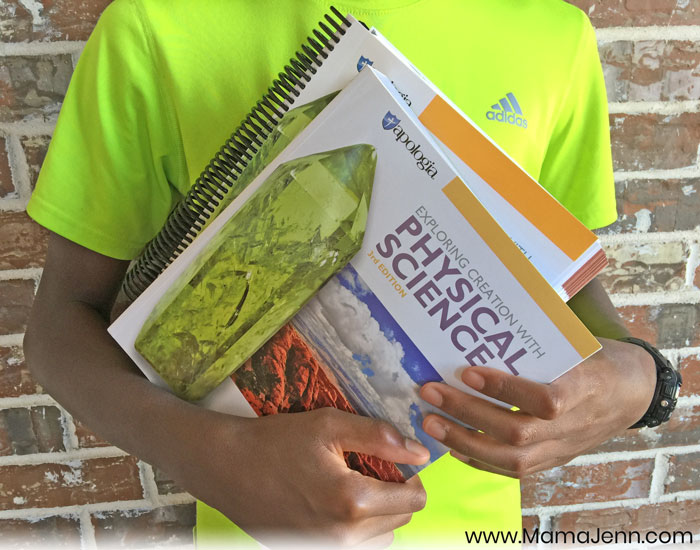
(556, 422)
(292, 464)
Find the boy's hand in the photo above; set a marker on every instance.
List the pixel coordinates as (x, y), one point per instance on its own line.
(283, 477)
(271, 475)
(555, 422)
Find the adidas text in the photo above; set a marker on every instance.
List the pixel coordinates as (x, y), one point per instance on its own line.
(510, 118)
(507, 110)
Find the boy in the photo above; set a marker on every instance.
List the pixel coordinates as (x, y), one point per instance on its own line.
(159, 87)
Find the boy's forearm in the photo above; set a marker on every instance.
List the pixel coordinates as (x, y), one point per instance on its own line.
(73, 357)
(593, 307)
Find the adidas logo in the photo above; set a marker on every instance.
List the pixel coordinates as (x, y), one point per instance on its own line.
(507, 110)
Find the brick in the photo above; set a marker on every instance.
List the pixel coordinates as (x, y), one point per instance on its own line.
(682, 429)
(530, 523)
(690, 371)
(666, 326)
(653, 141)
(593, 483)
(26, 431)
(667, 516)
(683, 473)
(165, 485)
(50, 532)
(651, 70)
(167, 526)
(652, 267)
(23, 242)
(35, 148)
(656, 205)
(76, 483)
(16, 297)
(32, 88)
(87, 438)
(15, 379)
(634, 13)
(56, 20)
(7, 186)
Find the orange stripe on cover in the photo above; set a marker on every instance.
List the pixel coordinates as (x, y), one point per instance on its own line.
(507, 179)
(520, 267)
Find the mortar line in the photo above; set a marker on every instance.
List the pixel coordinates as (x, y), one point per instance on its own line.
(685, 172)
(653, 107)
(687, 401)
(692, 264)
(27, 273)
(625, 456)
(26, 401)
(148, 482)
(58, 47)
(11, 341)
(656, 298)
(686, 236)
(545, 525)
(13, 204)
(29, 129)
(626, 503)
(60, 457)
(70, 434)
(676, 33)
(87, 531)
(658, 476)
(98, 507)
(18, 168)
(688, 351)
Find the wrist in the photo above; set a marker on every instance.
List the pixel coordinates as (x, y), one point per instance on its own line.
(646, 374)
(666, 386)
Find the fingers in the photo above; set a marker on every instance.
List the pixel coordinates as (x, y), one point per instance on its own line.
(364, 497)
(500, 471)
(351, 432)
(546, 401)
(504, 458)
(469, 461)
(504, 425)
(366, 509)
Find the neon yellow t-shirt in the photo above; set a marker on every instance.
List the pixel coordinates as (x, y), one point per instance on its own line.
(161, 84)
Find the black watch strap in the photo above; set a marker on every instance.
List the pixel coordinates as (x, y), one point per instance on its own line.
(668, 385)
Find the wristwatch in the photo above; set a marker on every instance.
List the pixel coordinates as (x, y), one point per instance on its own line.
(668, 384)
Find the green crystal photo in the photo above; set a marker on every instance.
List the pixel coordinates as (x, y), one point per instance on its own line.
(299, 228)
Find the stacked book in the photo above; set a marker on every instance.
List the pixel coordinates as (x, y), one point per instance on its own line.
(376, 241)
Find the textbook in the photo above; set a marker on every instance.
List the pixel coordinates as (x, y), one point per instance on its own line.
(352, 268)
(566, 253)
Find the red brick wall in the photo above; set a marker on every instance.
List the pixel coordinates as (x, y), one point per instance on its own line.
(61, 484)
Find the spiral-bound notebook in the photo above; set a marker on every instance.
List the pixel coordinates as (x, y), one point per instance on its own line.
(565, 252)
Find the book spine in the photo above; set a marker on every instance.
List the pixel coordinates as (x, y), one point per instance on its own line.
(199, 205)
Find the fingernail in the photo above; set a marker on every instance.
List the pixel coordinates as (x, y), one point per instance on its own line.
(436, 429)
(432, 396)
(415, 448)
(473, 379)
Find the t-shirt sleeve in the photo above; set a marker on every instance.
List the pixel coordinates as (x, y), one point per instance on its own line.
(577, 167)
(107, 180)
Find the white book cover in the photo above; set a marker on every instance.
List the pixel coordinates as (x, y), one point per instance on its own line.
(562, 248)
(432, 284)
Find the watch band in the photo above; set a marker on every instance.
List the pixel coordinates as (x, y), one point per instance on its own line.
(668, 385)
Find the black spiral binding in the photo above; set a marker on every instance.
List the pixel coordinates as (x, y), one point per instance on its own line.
(187, 219)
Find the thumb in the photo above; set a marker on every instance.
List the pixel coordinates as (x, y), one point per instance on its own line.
(352, 432)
